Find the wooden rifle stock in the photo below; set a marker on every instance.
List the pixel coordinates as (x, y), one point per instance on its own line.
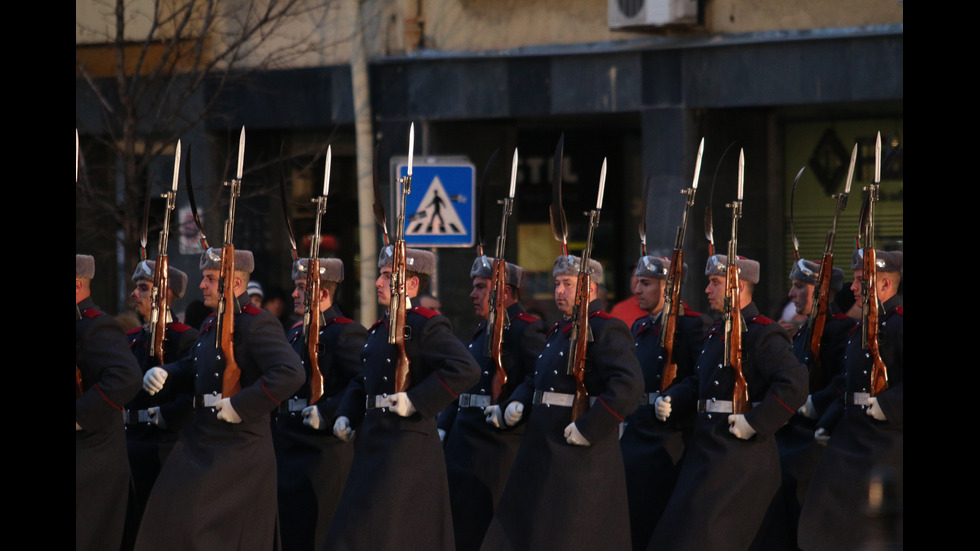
(78, 383)
(819, 310)
(396, 332)
(580, 338)
(312, 315)
(733, 339)
(496, 323)
(869, 322)
(231, 380)
(158, 307)
(672, 308)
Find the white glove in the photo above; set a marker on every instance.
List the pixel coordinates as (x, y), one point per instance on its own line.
(154, 379)
(401, 405)
(821, 436)
(874, 410)
(741, 428)
(513, 413)
(442, 435)
(311, 417)
(342, 430)
(574, 437)
(227, 413)
(807, 410)
(494, 415)
(156, 418)
(662, 407)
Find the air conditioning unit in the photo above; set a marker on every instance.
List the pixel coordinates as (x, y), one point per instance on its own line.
(627, 14)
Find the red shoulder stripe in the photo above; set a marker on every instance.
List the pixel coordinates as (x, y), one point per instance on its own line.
(425, 312)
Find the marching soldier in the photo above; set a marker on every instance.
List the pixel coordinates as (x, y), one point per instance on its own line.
(153, 422)
(397, 494)
(798, 452)
(652, 449)
(312, 463)
(730, 471)
(865, 432)
(106, 377)
(479, 452)
(567, 488)
(218, 487)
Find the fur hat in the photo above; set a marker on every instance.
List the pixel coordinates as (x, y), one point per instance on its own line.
(331, 269)
(417, 260)
(570, 265)
(807, 272)
(483, 267)
(887, 261)
(748, 270)
(244, 261)
(84, 266)
(653, 266)
(176, 279)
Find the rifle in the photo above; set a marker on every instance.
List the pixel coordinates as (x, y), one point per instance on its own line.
(227, 301)
(399, 297)
(311, 312)
(672, 292)
(497, 318)
(733, 311)
(78, 372)
(869, 282)
(581, 332)
(161, 273)
(819, 309)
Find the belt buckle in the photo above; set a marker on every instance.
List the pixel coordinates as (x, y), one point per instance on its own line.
(464, 400)
(210, 400)
(143, 416)
(296, 404)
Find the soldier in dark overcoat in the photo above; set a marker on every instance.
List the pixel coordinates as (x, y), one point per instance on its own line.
(479, 451)
(153, 422)
(798, 451)
(312, 463)
(855, 497)
(567, 488)
(217, 489)
(397, 492)
(730, 471)
(652, 449)
(106, 377)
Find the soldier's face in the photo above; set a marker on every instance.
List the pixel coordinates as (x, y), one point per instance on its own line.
(299, 297)
(565, 293)
(141, 298)
(801, 293)
(480, 296)
(649, 292)
(209, 287)
(856, 285)
(383, 286)
(716, 292)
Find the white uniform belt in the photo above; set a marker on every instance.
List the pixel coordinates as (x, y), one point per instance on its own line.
(718, 406)
(556, 398)
(474, 400)
(378, 401)
(206, 400)
(856, 398)
(136, 416)
(648, 398)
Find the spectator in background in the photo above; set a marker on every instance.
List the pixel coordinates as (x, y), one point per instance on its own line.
(629, 309)
(255, 293)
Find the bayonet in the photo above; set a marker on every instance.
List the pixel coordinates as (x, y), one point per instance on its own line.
(556, 212)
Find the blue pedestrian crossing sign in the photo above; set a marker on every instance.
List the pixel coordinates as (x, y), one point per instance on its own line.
(440, 210)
